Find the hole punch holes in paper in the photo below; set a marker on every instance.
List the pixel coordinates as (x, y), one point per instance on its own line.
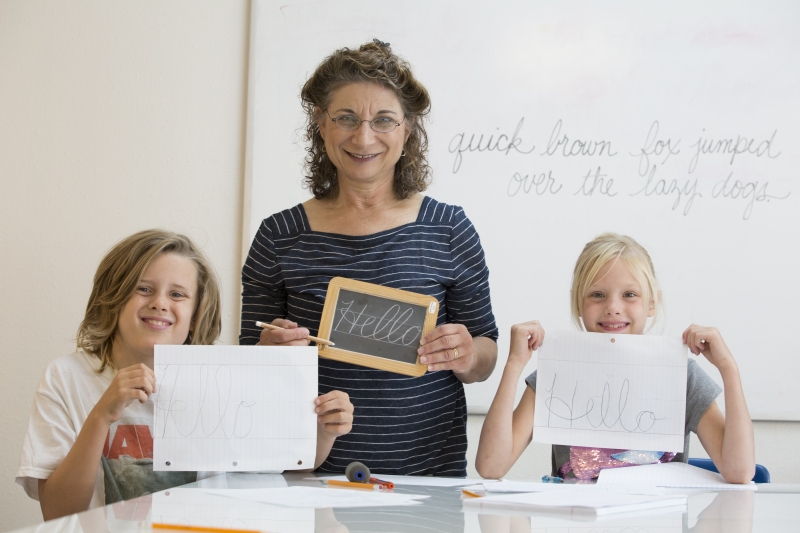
(613, 340)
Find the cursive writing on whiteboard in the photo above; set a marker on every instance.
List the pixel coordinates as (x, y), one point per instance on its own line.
(655, 175)
(501, 143)
(391, 327)
(742, 145)
(575, 146)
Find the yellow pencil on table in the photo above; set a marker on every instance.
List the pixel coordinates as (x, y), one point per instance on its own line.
(353, 485)
(309, 337)
(205, 529)
(469, 493)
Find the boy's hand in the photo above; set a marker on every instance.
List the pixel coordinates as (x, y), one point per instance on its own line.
(334, 413)
(136, 382)
(525, 339)
(708, 341)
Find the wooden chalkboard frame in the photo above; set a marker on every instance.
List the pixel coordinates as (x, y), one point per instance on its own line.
(333, 352)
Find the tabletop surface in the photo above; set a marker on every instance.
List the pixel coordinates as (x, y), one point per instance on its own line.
(773, 508)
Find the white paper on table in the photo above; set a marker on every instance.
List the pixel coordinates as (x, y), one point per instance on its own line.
(417, 481)
(669, 475)
(235, 408)
(669, 522)
(660, 521)
(319, 498)
(192, 507)
(505, 486)
(611, 391)
(579, 502)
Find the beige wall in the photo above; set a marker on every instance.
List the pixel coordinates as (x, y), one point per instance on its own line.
(115, 117)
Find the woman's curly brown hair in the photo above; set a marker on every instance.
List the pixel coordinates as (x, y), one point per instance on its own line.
(373, 62)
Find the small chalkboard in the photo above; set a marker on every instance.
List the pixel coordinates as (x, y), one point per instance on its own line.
(376, 326)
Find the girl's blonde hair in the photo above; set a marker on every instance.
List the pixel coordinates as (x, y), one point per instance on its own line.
(613, 247)
(117, 277)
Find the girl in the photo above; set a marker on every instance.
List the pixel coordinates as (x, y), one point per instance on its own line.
(614, 290)
(89, 440)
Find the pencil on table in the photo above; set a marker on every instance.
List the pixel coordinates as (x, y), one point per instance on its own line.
(206, 529)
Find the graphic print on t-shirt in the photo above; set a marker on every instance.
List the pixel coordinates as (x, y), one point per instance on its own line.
(128, 462)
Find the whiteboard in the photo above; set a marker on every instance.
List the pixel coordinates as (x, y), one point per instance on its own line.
(673, 122)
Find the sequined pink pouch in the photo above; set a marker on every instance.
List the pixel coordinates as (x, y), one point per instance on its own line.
(586, 463)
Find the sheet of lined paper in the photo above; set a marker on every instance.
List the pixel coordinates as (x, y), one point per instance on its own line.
(611, 391)
(193, 507)
(235, 408)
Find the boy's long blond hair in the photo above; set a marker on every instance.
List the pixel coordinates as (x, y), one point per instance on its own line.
(115, 282)
(613, 247)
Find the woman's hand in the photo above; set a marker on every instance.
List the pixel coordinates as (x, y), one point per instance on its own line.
(525, 339)
(136, 382)
(708, 341)
(290, 335)
(448, 347)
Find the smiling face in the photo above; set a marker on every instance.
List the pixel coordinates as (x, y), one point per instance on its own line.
(159, 311)
(615, 303)
(364, 156)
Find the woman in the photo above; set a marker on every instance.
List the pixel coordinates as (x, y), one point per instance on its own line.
(368, 221)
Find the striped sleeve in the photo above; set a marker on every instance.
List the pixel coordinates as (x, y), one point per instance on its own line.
(263, 291)
(468, 299)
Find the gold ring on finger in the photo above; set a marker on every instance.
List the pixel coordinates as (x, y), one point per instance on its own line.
(455, 353)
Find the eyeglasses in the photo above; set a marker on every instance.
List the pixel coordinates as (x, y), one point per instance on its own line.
(352, 122)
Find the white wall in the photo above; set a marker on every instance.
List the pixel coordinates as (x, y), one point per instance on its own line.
(114, 117)
(120, 116)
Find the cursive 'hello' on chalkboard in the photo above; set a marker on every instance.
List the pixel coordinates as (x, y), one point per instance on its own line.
(376, 326)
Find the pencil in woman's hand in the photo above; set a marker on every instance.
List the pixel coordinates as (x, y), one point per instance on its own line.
(309, 337)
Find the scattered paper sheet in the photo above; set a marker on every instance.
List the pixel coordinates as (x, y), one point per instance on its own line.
(235, 408)
(611, 391)
(243, 480)
(579, 502)
(418, 481)
(668, 475)
(532, 486)
(662, 521)
(319, 498)
(191, 507)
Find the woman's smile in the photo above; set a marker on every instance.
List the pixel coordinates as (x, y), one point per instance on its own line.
(362, 158)
(363, 155)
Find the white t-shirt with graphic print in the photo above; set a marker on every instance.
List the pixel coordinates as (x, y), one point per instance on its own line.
(66, 394)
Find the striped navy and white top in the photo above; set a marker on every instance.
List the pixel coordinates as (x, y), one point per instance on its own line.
(402, 425)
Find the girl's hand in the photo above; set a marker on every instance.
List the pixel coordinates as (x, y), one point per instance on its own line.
(708, 341)
(136, 382)
(334, 413)
(525, 339)
(448, 347)
(290, 335)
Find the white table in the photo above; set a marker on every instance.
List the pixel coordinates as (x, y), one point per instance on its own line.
(773, 508)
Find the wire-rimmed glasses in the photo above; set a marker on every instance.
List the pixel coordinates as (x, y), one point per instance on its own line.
(351, 122)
